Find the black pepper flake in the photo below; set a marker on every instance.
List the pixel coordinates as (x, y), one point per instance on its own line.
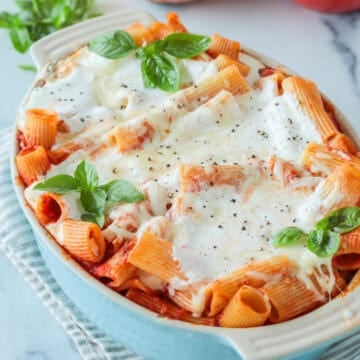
(82, 119)
(234, 214)
(233, 201)
(220, 226)
(243, 228)
(168, 165)
(294, 221)
(151, 168)
(215, 247)
(233, 130)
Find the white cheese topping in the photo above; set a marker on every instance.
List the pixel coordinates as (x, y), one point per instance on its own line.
(226, 226)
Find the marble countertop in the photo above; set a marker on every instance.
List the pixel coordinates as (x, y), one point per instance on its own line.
(325, 48)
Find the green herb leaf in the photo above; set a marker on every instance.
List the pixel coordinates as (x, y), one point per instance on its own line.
(185, 45)
(113, 45)
(24, 4)
(122, 191)
(86, 176)
(94, 15)
(288, 236)
(341, 221)
(96, 219)
(27, 67)
(6, 20)
(20, 38)
(60, 15)
(161, 71)
(323, 243)
(38, 18)
(93, 201)
(59, 184)
(147, 82)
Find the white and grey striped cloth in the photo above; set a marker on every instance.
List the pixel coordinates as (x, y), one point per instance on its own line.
(18, 244)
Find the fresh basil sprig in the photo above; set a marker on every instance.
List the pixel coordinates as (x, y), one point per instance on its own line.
(37, 18)
(324, 240)
(158, 68)
(94, 198)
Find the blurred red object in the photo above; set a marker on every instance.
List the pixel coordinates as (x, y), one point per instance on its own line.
(334, 6)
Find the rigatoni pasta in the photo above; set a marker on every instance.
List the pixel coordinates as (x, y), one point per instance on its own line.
(198, 183)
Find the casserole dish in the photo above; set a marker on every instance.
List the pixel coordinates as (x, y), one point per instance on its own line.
(143, 331)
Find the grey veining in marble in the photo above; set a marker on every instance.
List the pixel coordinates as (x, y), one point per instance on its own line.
(345, 30)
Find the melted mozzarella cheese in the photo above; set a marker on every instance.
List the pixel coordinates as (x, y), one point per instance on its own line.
(227, 227)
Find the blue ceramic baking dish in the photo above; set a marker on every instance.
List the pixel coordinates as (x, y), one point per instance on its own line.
(146, 333)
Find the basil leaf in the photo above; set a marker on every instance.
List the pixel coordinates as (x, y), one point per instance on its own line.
(24, 4)
(94, 15)
(288, 236)
(147, 82)
(122, 191)
(112, 45)
(341, 221)
(161, 71)
(148, 50)
(20, 38)
(96, 219)
(60, 15)
(185, 45)
(6, 20)
(59, 184)
(323, 243)
(93, 201)
(27, 67)
(86, 176)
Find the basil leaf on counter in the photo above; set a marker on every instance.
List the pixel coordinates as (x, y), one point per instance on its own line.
(185, 45)
(122, 191)
(288, 236)
(161, 71)
(59, 184)
(86, 176)
(20, 38)
(37, 18)
(323, 243)
(113, 45)
(27, 67)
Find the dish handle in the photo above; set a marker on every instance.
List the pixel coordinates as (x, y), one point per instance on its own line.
(62, 42)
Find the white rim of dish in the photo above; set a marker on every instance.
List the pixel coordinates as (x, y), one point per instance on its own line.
(260, 343)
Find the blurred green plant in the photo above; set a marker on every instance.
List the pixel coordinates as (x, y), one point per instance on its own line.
(38, 18)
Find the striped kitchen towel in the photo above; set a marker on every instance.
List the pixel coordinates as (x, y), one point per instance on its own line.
(19, 245)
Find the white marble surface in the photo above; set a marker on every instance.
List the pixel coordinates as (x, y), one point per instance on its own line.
(325, 48)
